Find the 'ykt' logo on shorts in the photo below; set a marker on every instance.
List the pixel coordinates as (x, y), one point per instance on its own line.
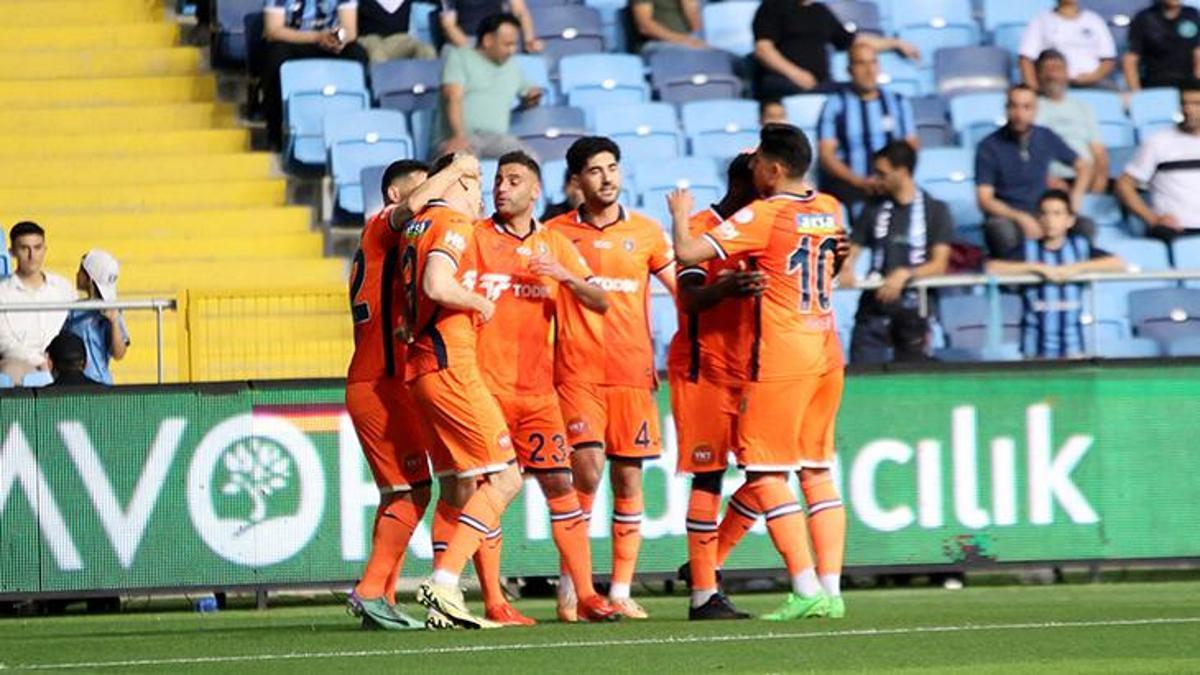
(702, 455)
(577, 427)
(412, 463)
(504, 441)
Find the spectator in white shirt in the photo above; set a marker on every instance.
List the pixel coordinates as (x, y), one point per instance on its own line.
(1169, 164)
(24, 336)
(1081, 35)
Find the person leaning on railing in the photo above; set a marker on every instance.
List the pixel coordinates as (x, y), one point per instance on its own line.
(102, 330)
(1052, 324)
(24, 336)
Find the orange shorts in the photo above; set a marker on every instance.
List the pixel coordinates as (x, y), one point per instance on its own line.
(536, 425)
(705, 423)
(789, 424)
(467, 428)
(623, 420)
(392, 436)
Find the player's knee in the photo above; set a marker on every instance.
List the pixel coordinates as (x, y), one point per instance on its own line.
(507, 482)
(626, 478)
(709, 481)
(456, 491)
(420, 497)
(813, 475)
(587, 466)
(555, 484)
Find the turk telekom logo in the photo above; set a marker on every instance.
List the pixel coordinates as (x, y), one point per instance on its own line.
(256, 490)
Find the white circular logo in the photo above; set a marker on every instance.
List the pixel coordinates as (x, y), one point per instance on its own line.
(256, 490)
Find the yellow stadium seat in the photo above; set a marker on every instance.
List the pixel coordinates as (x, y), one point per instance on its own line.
(80, 171)
(143, 35)
(143, 197)
(168, 277)
(33, 122)
(107, 91)
(205, 245)
(121, 62)
(80, 12)
(188, 142)
(248, 222)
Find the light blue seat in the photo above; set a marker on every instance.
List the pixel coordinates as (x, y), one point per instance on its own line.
(655, 179)
(720, 129)
(728, 26)
(974, 116)
(1116, 129)
(1128, 348)
(664, 321)
(229, 32)
(568, 29)
(682, 74)
(804, 111)
(1144, 255)
(549, 130)
(1185, 346)
(360, 139)
(1187, 253)
(951, 27)
(845, 306)
(1156, 107)
(423, 123)
(858, 15)
(5, 381)
(965, 320)
(602, 79)
(643, 130)
(610, 17)
(964, 208)
(537, 73)
(903, 76)
(38, 378)
(553, 183)
(487, 179)
(312, 89)
(1104, 209)
(1165, 314)
(420, 24)
(962, 70)
(407, 84)
(372, 190)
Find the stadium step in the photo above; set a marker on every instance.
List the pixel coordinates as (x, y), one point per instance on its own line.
(189, 142)
(120, 62)
(66, 38)
(106, 92)
(248, 222)
(101, 171)
(171, 276)
(126, 119)
(170, 197)
(80, 12)
(206, 246)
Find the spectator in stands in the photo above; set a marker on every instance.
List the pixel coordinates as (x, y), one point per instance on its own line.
(66, 356)
(479, 86)
(102, 330)
(791, 39)
(857, 122)
(1169, 163)
(666, 22)
(1164, 46)
(303, 29)
(25, 335)
(1052, 326)
(771, 111)
(1072, 119)
(1078, 33)
(574, 197)
(907, 233)
(461, 21)
(1012, 167)
(383, 31)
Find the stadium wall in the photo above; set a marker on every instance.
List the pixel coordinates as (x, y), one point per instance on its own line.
(263, 484)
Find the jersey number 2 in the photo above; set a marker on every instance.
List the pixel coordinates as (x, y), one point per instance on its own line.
(361, 311)
(815, 271)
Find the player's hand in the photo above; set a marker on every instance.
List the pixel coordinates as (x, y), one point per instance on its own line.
(544, 265)
(748, 283)
(680, 202)
(467, 165)
(485, 308)
(893, 285)
(456, 144)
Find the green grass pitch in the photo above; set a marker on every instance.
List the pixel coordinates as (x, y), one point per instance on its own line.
(1112, 628)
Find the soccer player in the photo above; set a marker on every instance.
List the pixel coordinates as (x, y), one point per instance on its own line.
(790, 401)
(469, 436)
(706, 369)
(388, 429)
(604, 365)
(523, 267)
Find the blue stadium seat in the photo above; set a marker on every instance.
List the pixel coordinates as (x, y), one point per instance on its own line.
(1165, 314)
(360, 139)
(1144, 255)
(935, 24)
(568, 29)
(1186, 253)
(549, 130)
(804, 111)
(1102, 332)
(406, 85)
(1117, 159)
(1005, 20)
(1102, 208)
(655, 178)
(422, 123)
(962, 70)
(845, 306)
(38, 378)
(420, 23)
(612, 17)
(1128, 348)
(487, 178)
(313, 88)
(664, 321)
(1157, 107)
(1116, 130)
(720, 129)
(902, 76)
(682, 74)
(371, 180)
(643, 130)
(1185, 346)
(1118, 14)
(553, 174)
(727, 25)
(933, 122)
(965, 320)
(537, 73)
(229, 31)
(950, 165)
(602, 79)
(858, 15)
(5, 381)
(974, 116)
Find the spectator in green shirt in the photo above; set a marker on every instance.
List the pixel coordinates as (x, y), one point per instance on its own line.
(662, 22)
(1072, 119)
(479, 86)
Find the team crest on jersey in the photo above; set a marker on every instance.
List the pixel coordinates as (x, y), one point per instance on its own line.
(702, 455)
(524, 250)
(504, 440)
(815, 221)
(628, 245)
(744, 216)
(577, 426)
(416, 228)
(542, 248)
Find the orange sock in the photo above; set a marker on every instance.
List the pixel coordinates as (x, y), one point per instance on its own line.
(702, 538)
(740, 516)
(394, 525)
(785, 522)
(487, 568)
(585, 503)
(627, 539)
(570, 532)
(480, 516)
(445, 518)
(389, 593)
(827, 520)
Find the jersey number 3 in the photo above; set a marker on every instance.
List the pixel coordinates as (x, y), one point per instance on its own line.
(815, 268)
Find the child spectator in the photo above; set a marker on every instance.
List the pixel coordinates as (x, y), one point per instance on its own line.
(102, 331)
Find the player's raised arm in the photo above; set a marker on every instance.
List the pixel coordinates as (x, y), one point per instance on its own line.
(435, 187)
(441, 286)
(689, 250)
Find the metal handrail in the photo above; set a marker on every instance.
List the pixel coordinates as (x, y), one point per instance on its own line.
(157, 305)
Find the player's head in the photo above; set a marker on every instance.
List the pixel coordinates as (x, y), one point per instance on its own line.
(783, 157)
(1055, 213)
(465, 194)
(864, 67)
(740, 189)
(518, 185)
(401, 178)
(895, 163)
(594, 164)
(1189, 104)
(27, 243)
(1021, 108)
(499, 37)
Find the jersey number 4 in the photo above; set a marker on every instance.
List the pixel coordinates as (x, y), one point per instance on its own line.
(814, 265)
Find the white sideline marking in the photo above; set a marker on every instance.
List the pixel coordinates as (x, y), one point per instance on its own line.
(576, 644)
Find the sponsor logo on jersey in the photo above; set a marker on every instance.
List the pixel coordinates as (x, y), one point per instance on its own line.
(617, 284)
(602, 244)
(455, 241)
(726, 230)
(815, 221)
(416, 228)
(494, 285)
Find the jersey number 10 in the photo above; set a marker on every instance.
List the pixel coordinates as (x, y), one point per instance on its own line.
(814, 265)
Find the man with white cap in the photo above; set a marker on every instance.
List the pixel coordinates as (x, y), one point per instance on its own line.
(102, 330)
(24, 336)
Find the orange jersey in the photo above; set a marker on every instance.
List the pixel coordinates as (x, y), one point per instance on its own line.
(440, 337)
(514, 348)
(375, 303)
(713, 343)
(793, 240)
(612, 348)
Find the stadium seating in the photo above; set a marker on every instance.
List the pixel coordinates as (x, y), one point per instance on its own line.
(643, 130)
(1127, 348)
(1186, 346)
(359, 140)
(965, 320)
(655, 178)
(407, 84)
(1104, 209)
(229, 36)
(568, 29)
(1116, 129)
(38, 378)
(720, 129)
(1166, 314)
(5, 381)
(845, 305)
(960, 70)
(804, 111)
(664, 321)
(602, 79)
(1144, 255)
(858, 15)
(537, 73)
(1186, 253)
(727, 26)
(974, 116)
(549, 130)
(371, 180)
(681, 75)
(1154, 107)
(903, 76)
(553, 173)
(949, 175)
(936, 24)
(420, 21)
(933, 122)
(313, 88)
